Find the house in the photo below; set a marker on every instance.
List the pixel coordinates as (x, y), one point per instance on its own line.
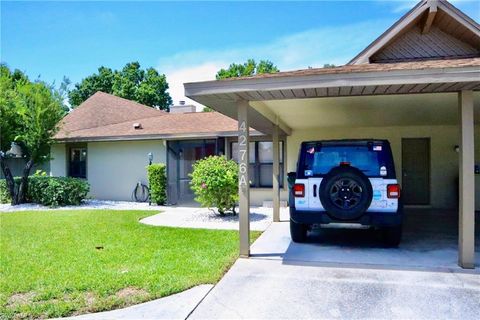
(108, 139)
(416, 85)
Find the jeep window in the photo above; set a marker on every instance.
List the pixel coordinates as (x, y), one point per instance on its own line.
(371, 160)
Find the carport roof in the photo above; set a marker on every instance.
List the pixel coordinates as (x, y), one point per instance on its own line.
(379, 79)
(433, 48)
(372, 67)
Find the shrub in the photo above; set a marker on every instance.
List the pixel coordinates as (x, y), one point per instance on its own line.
(4, 194)
(50, 191)
(215, 183)
(157, 183)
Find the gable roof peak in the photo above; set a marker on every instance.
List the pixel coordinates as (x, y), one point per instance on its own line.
(102, 109)
(427, 15)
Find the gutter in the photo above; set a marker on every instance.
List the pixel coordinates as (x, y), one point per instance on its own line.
(192, 136)
(365, 78)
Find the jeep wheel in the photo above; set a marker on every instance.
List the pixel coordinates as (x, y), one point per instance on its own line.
(346, 193)
(392, 235)
(298, 231)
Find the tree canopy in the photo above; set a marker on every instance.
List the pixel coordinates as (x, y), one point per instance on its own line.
(29, 114)
(147, 87)
(249, 68)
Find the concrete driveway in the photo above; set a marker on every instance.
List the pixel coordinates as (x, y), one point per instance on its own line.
(269, 289)
(350, 275)
(430, 241)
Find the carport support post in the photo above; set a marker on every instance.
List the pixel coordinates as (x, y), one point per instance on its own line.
(466, 240)
(243, 178)
(276, 176)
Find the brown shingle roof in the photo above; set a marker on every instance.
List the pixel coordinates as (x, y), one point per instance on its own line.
(103, 109)
(105, 116)
(371, 67)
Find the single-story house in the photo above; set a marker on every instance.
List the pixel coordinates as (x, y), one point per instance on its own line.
(108, 139)
(416, 85)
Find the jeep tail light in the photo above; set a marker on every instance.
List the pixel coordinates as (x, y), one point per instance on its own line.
(393, 191)
(299, 190)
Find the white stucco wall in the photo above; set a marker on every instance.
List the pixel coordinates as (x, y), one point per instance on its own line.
(444, 160)
(58, 163)
(114, 168)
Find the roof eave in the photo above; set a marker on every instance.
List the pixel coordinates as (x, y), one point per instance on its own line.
(390, 77)
(153, 137)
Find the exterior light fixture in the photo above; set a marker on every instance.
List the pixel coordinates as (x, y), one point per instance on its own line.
(15, 151)
(150, 158)
(456, 149)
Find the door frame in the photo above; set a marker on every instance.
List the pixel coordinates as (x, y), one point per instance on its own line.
(429, 167)
(173, 145)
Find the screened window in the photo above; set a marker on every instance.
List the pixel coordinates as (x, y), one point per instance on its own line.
(261, 163)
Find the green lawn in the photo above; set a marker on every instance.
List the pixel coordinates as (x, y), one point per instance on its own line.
(59, 263)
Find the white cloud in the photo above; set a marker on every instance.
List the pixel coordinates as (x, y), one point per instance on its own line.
(176, 79)
(311, 48)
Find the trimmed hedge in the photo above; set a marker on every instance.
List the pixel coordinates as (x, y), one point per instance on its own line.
(157, 183)
(50, 191)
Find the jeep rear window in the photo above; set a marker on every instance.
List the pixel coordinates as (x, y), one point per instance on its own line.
(372, 160)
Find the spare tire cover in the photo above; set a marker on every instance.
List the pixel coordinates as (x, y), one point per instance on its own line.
(345, 193)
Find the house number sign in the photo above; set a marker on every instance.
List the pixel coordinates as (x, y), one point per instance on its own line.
(242, 152)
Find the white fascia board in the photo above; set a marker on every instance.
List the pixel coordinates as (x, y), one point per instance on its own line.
(461, 17)
(393, 77)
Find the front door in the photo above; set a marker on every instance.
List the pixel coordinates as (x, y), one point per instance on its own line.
(416, 171)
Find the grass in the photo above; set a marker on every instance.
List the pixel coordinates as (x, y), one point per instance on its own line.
(59, 263)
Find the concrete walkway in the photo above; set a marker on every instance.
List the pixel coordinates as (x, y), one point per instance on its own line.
(177, 306)
(204, 218)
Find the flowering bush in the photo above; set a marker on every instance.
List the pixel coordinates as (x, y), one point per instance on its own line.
(215, 183)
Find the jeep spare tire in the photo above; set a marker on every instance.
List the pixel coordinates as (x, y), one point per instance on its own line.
(345, 193)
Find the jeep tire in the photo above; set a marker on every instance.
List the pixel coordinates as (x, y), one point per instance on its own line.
(298, 231)
(392, 236)
(345, 193)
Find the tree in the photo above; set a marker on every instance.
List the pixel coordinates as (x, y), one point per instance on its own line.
(249, 68)
(329, 65)
(29, 114)
(207, 109)
(148, 87)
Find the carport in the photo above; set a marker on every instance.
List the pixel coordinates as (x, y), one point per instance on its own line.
(375, 96)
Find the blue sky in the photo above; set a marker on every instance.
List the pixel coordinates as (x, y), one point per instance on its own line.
(190, 41)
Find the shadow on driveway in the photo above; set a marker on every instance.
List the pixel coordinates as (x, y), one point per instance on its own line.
(430, 241)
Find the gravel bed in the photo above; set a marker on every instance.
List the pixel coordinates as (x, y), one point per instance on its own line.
(87, 204)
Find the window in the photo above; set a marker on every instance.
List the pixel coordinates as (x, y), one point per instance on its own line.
(372, 160)
(261, 163)
(78, 163)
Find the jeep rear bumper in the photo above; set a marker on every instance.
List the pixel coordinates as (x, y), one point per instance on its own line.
(374, 219)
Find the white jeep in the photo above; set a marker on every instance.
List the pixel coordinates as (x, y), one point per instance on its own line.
(346, 182)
